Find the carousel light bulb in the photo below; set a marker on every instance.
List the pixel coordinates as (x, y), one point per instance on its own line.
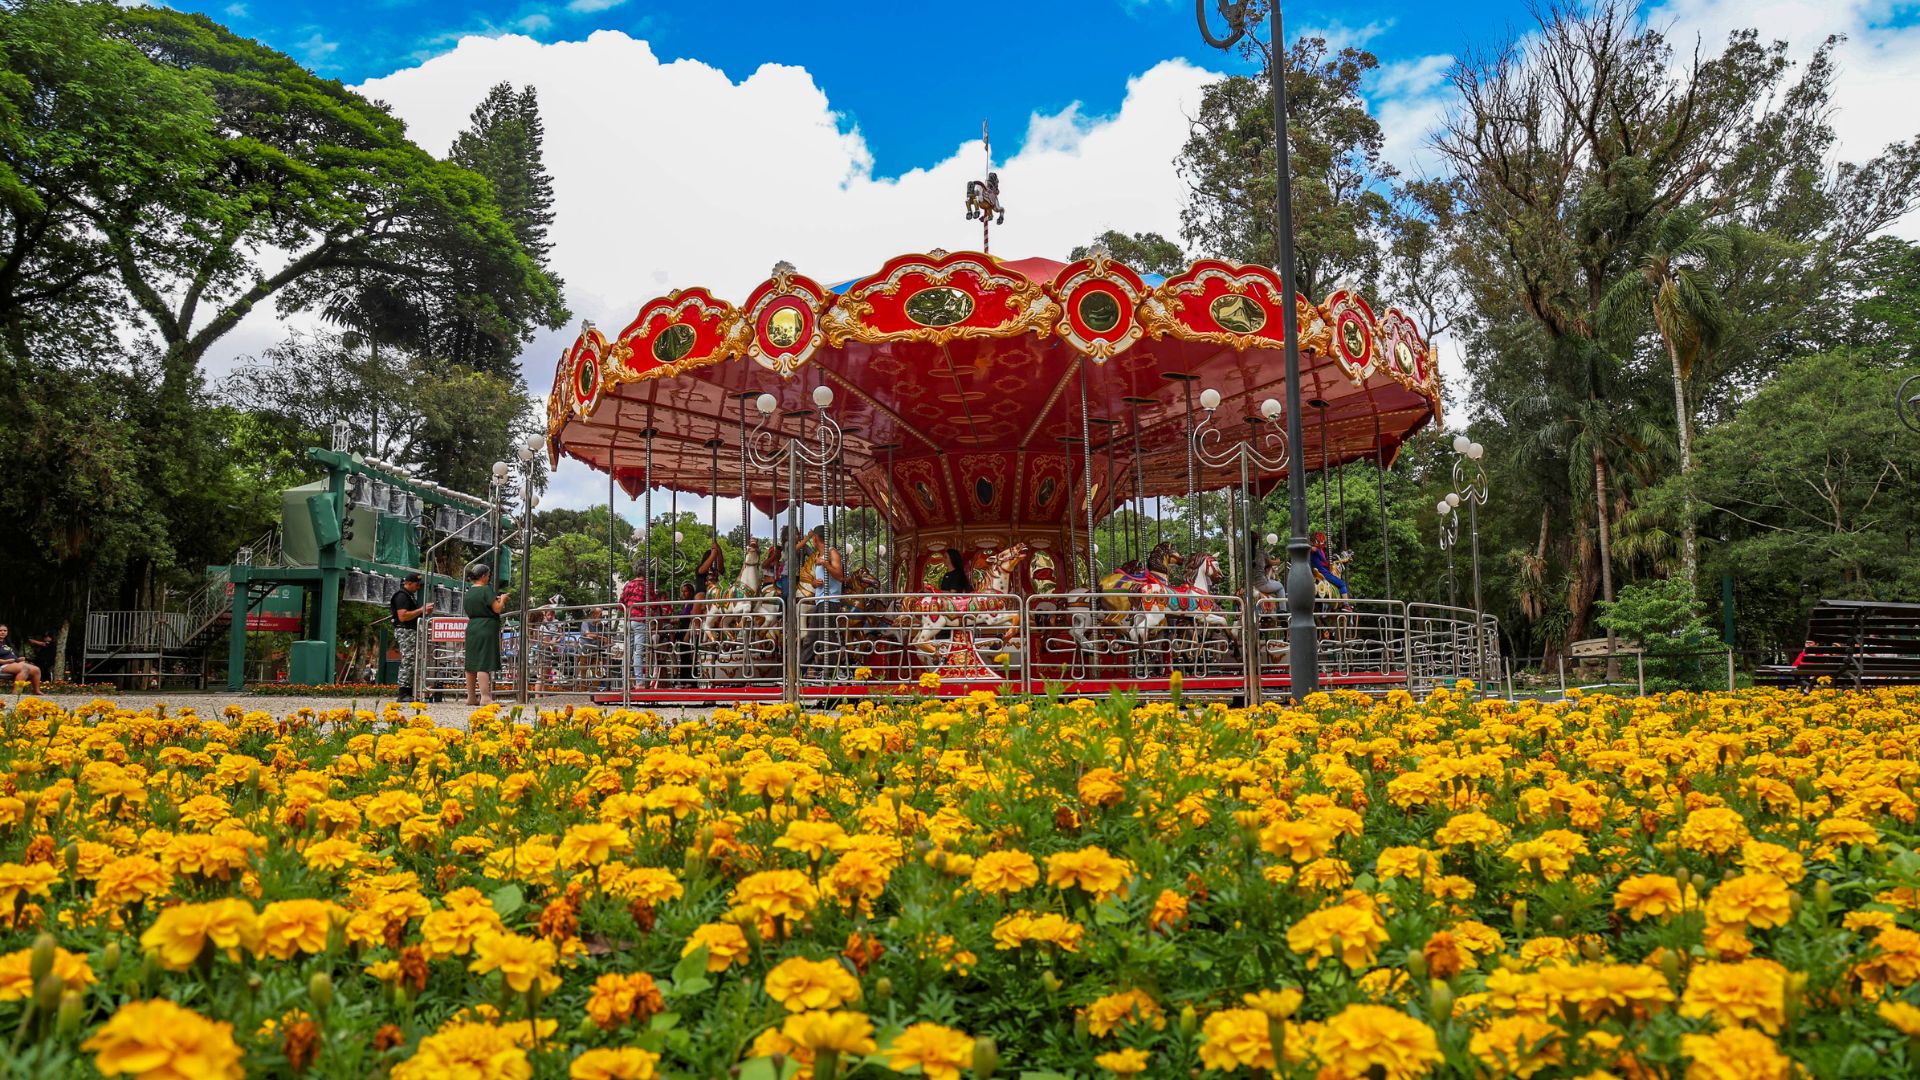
(823, 395)
(1270, 408)
(1273, 539)
(765, 404)
(1453, 498)
(1444, 507)
(501, 469)
(525, 455)
(533, 502)
(639, 536)
(678, 536)
(1474, 450)
(535, 443)
(1209, 399)
(1460, 444)
(882, 549)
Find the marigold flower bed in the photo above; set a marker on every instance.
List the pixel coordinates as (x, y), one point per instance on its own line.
(1706, 886)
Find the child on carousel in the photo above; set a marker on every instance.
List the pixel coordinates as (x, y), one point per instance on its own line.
(1323, 565)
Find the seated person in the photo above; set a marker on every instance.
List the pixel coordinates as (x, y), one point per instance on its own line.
(14, 667)
(1323, 566)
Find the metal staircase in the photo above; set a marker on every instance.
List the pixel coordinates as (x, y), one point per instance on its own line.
(144, 644)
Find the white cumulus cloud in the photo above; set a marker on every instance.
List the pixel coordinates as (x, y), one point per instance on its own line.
(671, 174)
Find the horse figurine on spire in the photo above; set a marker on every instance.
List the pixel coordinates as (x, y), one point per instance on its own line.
(983, 196)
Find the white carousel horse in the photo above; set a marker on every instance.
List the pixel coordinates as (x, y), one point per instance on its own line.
(740, 615)
(995, 616)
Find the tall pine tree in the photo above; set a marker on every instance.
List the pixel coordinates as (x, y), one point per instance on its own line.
(502, 142)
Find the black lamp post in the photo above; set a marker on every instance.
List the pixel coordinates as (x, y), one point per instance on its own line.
(1302, 642)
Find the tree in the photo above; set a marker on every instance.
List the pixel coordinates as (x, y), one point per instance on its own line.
(1148, 252)
(502, 144)
(302, 166)
(1674, 280)
(448, 422)
(1568, 149)
(1811, 490)
(69, 140)
(1339, 177)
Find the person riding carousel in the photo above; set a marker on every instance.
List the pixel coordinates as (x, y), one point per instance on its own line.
(829, 572)
(1323, 565)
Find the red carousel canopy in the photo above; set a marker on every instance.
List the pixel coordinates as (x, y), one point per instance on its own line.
(958, 381)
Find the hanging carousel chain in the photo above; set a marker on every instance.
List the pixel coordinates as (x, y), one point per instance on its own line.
(1086, 478)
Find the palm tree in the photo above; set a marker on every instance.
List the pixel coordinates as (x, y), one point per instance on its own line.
(1674, 281)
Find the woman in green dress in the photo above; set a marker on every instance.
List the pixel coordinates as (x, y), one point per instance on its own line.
(482, 606)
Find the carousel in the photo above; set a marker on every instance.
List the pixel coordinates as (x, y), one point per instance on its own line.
(992, 414)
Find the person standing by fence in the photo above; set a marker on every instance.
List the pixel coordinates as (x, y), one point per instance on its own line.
(482, 606)
(408, 612)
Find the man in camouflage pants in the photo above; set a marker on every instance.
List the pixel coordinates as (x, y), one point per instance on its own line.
(407, 612)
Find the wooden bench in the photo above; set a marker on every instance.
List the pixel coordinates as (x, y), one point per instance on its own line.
(1856, 643)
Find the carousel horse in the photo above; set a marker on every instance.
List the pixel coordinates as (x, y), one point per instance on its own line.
(740, 617)
(994, 616)
(873, 632)
(1133, 596)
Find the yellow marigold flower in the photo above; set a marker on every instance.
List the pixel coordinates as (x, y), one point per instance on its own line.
(1376, 1040)
(651, 884)
(858, 875)
(999, 872)
(1090, 869)
(391, 807)
(131, 879)
(182, 931)
(1301, 841)
(941, 1052)
(467, 1050)
(333, 854)
(1734, 1054)
(777, 894)
(1847, 830)
(841, 1032)
(1896, 958)
(1277, 1004)
(1754, 991)
(929, 681)
(18, 882)
(1714, 830)
(592, 843)
(1116, 1010)
(1648, 896)
(802, 985)
(615, 1063)
(16, 973)
(452, 930)
(1903, 1017)
(1123, 1062)
(296, 926)
(1750, 900)
(1782, 862)
(158, 1040)
(1356, 930)
(1517, 1045)
(814, 839)
(1101, 788)
(1600, 988)
(724, 942)
(521, 961)
(1232, 1038)
(1169, 911)
(1015, 930)
(1470, 828)
(1398, 862)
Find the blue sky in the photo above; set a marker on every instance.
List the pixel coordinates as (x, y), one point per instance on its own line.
(915, 78)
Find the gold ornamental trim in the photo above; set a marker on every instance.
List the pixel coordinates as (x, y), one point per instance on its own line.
(1034, 310)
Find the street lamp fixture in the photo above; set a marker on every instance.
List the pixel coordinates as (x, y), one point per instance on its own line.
(1262, 449)
(1302, 640)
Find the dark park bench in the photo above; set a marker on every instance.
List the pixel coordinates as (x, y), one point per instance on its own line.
(1856, 643)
